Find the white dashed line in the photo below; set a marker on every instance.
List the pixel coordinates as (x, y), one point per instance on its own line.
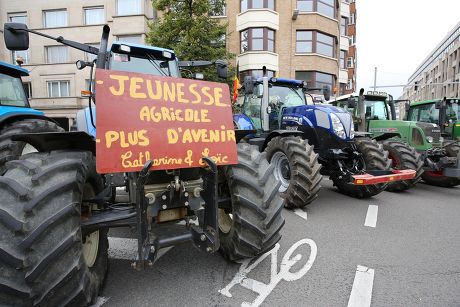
(100, 301)
(371, 216)
(301, 213)
(361, 293)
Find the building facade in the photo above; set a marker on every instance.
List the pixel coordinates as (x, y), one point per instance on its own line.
(54, 85)
(438, 75)
(312, 40)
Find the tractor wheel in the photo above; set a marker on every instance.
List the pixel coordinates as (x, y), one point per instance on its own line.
(436, 178)
(403, 156)
(250, 225)
(11, 150)
(374, 157)
(44, 261)
(296, 166)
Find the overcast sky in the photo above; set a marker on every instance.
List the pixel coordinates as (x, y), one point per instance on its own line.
(397, 35)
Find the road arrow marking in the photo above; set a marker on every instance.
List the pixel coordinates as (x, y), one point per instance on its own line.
(301, 213)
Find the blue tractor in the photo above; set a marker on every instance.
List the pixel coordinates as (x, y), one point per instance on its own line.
(16, 115)
(287, 122)
(55, 209)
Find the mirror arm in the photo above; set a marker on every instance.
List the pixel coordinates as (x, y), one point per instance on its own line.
(60, 39)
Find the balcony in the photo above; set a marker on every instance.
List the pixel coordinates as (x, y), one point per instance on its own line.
(257, 18)
(257, 59)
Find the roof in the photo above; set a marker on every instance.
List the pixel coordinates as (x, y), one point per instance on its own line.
(12, 70)
(145, 47)
(431, 101)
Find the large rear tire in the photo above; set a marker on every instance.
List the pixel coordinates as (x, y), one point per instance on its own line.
(437, 178)
(403, 156)
(12, 150)
(374, 157)
(43, 259)
(296, 166)
(252, 225)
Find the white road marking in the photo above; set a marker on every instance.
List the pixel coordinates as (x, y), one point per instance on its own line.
(371, 216)
(301, 213)
(288, 261)
(361, 293)
(126, 249)
(100, 301)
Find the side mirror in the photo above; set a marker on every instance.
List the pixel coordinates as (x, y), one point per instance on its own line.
(407, 107)
(248, 85)
(222, 69)
(326, 92)
(16, 36)
(351, 103)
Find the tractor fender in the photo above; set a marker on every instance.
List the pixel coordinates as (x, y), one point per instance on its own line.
(276, 133)
(14, 117)
(77, 140)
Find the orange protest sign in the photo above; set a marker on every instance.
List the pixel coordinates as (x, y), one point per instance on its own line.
(172, 121)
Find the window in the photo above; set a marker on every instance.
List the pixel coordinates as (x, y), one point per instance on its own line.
(58, 88)
(217, 8)
(257, 39)
(315, 79)
(343, 26)
(352, 18)
(128, 7)
(18, 17)
(257, 4)
(221, 42)
(350, 62)
(57, 54)
(325, 7)
(27, 88)
(376, 110)
(343, 56)
(94, 15)
(89, 57)
(56, 18)
(315, 42)
(134, 39)
(342, 88)
(23, 54)
(350, 84)
(11, 92)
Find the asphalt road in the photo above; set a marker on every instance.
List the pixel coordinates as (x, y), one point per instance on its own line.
(392, 250)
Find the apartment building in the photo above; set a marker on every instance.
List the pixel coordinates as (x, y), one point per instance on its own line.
(439, 74)
(55, 85)
(312, 40)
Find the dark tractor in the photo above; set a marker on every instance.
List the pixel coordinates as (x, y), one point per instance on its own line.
(443, 157)
(56, 210)
(16, 115)
(374, 113)
(278, 111)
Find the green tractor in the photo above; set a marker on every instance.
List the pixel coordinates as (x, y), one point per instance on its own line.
(374, 114)
(444, 113)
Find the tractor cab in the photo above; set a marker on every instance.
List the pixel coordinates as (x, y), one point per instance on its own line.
(443, 112)
(282, 93)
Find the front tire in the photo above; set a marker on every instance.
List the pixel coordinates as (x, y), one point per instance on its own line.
(296, 166)
(436, 178)
(11, 150)
(403, 156)
(252, 225)
(42, 255)
(374, 157)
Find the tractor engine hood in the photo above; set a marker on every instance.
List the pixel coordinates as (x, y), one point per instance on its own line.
(321, 116)
(432, 132)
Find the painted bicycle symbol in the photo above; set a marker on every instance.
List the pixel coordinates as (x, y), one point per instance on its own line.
(284, 273)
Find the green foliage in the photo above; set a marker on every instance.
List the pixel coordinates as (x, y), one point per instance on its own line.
(186, 26)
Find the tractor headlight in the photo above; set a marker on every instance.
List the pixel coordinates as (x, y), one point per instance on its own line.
(338, 126)
(429, 139)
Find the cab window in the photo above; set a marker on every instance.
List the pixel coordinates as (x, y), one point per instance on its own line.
(429, 114)
(375, 110)
(252, 106)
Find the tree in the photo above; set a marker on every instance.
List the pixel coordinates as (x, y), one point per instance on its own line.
(187, 27)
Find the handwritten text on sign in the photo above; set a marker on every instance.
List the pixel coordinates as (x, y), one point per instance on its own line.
(173, 122)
